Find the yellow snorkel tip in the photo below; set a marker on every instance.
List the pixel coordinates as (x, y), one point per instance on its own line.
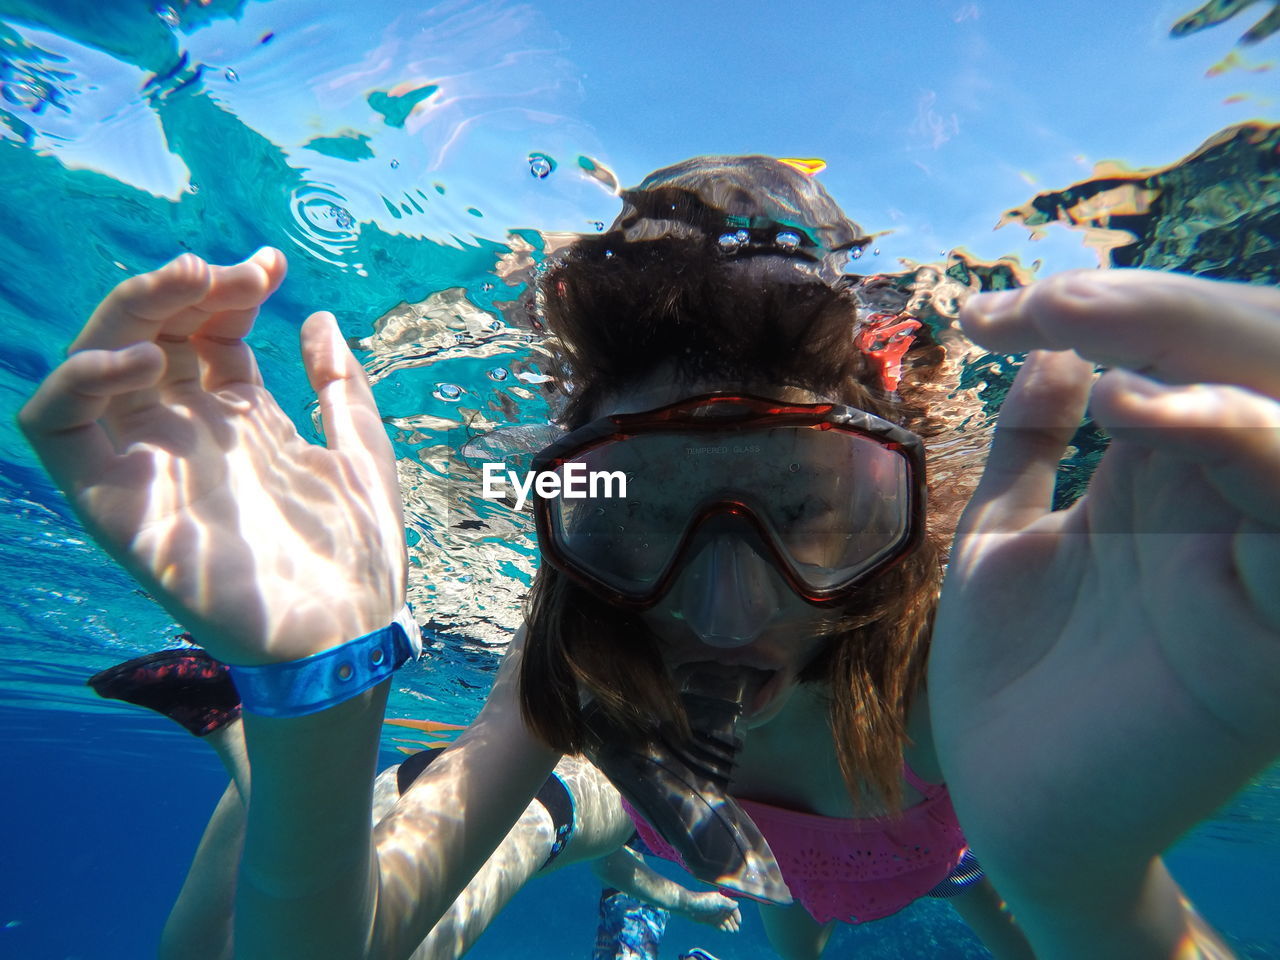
(809, 166)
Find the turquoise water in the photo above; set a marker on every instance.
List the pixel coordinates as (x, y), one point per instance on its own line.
(414, 166)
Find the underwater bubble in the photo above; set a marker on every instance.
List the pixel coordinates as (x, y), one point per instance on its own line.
(729, 241)
(342, 219)
(857, 254)
(742, 236)
(608, 254)
(394, 164)
(232, 76)
(168, 16)
(794, 468)
(322, 224)
(448, 391)
(193, 188)
(540, 166)
(787, 240)
(875, 252)
(499, 374)
(598, 224)
(486, 286)
(495, 325)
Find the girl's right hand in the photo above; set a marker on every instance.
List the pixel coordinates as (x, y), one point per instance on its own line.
(184, 468)
(715, 910)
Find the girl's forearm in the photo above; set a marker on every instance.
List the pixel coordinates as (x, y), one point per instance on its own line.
(308, 884)
(629, 873)
(317, 882)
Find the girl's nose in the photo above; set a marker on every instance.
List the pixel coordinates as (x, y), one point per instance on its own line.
(728, 593)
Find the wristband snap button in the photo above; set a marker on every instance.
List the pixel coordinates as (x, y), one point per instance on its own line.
(344, 671)
(376, 656)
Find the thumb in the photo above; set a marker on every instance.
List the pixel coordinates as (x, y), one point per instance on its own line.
(347, 409)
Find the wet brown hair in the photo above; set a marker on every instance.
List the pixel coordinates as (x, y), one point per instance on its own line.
(658, 293)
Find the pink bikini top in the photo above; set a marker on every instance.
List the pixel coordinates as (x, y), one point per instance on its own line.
(854, 870)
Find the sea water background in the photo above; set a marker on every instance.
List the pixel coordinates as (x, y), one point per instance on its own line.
(132, 131)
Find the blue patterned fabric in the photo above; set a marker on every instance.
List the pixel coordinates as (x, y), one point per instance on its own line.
(628, 929)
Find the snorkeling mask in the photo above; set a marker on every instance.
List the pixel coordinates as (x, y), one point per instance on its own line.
(832, 496)
(835, 494)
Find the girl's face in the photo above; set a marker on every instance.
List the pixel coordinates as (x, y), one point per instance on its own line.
(728, 604)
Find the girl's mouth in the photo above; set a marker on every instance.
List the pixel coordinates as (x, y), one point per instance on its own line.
(754, 687)
(767, 693)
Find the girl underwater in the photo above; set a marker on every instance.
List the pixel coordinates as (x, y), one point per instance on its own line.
(764, 664)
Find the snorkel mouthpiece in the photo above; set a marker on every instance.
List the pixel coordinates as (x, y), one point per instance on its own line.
(681, 786)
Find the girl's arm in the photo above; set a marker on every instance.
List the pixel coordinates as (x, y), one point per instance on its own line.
(627, 870)
(271, 549)
(315, 883)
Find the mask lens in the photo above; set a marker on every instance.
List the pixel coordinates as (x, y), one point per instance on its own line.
(846, 508)
(835, 503)
(620, 530)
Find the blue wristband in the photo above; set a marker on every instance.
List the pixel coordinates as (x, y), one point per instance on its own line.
(299, 687)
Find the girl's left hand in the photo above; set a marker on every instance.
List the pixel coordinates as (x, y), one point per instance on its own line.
(1104, 677)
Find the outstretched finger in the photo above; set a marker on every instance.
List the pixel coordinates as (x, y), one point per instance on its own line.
(178, 299)
(139, 308)
(61, 419)
(225, 359)
(1040, 415)
(1174, 328)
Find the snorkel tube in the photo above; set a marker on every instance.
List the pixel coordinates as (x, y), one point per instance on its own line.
(681, 785)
